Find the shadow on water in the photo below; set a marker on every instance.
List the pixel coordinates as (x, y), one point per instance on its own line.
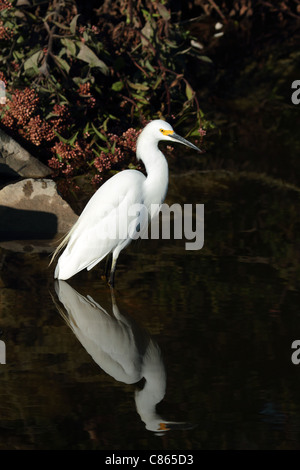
(20, 224)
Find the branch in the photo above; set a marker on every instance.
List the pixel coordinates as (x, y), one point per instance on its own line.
(213, 4)
(51, 35)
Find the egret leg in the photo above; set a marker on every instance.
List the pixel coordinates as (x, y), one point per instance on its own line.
(115, 256)
(107, 266)
(111, 281)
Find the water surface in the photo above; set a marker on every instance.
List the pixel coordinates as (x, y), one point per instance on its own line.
(193, 350)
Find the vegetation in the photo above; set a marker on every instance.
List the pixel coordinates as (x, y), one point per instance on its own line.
(82, 79)
(76, 82)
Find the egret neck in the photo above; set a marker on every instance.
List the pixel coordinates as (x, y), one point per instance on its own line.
(156, 184)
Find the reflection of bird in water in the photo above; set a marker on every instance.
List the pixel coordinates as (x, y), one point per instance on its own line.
(121, 348)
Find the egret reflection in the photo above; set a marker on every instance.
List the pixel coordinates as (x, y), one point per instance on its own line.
(121, 348)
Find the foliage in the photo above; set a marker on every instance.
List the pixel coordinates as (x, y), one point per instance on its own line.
(280, 13)
(74, 77)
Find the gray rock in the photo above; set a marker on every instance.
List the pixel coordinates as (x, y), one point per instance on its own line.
(32, 209)
(14, 159)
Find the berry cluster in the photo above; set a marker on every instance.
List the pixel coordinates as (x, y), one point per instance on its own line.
(20, 108)
(5, 5)
(85, 93)
(22, 114)
(5, 32)
(37, 131)
(127, 141)
(68, 159)
(60, 118)
(124, 149)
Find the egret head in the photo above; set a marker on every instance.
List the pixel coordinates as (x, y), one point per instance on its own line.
(161, 130)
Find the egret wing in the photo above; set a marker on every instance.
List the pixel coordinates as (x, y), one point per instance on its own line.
(103, 225)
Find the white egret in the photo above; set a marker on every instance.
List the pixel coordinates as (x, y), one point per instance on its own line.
(106, 225)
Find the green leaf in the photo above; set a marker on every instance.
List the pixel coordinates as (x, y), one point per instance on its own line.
(138, 86)
(104, 125)
(77, 80)
(85, 36)
(117, 86)
(99, 134)
(97, 155)
(172, 45)
(157, 83)
(62, 63)
(147, 32)
(149, 66)
(103, 149)
(189, 91)
(32, 62)
(61, 138)
(113, 147)
(60, 25)
(164, 13)
(17, 55)
(70, 45)
(32, 16)
(140, 99)
(131, 166)
(69, 141)
(87, 55)
(204, 58)
(87, 128)
(146, 14)
(73, 24)
(72, 139)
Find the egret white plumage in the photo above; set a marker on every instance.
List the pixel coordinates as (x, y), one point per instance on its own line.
(106, 225)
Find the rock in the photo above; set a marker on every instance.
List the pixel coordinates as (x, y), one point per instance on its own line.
(15, 160)
(33, 210)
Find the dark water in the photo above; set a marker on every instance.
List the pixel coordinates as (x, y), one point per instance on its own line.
(192, 352)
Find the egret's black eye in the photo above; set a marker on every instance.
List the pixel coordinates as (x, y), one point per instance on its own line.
(166, 132)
